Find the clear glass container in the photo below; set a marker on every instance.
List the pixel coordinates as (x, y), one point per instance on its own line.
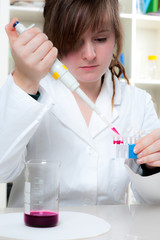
(152, 66)
(41, 193)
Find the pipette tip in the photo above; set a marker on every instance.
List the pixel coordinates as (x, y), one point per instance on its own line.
(115, 130)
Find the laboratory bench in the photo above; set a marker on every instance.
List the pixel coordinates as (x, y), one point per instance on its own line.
(134, 222)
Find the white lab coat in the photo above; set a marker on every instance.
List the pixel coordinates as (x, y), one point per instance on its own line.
(53, 128)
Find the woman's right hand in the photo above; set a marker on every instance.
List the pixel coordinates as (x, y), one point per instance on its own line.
(33, 55)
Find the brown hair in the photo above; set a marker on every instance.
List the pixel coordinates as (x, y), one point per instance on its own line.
(67, 20)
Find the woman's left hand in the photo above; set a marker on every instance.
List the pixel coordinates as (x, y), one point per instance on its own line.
(148, 149)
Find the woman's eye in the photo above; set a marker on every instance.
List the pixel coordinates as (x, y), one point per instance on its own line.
(101, 39)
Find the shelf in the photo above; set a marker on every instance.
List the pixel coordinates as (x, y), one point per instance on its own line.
(147, 17)
(148, 22)
(32, 14)
(126, 15)
(147, 82)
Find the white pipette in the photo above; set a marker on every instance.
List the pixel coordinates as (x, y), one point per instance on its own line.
(59, 71)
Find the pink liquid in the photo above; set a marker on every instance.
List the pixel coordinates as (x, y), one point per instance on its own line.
(41, 219)
(115, 130)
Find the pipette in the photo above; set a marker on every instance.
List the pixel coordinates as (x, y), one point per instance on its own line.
(59, 71)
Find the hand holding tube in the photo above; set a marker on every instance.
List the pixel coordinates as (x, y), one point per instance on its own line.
(148, 149)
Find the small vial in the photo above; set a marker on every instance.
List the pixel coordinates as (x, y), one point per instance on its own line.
(152, 66)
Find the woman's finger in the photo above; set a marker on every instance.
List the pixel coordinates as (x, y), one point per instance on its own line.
(147, 140)
(153, 148)
(11, 32)
(149, 159)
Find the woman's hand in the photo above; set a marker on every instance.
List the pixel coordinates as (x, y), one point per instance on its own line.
(148, 149)
(33, 55)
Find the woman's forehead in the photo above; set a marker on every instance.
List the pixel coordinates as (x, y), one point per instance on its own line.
(85, 19)
(105, 26)
(100, 30)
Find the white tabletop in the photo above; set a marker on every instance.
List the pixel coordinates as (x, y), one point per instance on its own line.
(137, 222)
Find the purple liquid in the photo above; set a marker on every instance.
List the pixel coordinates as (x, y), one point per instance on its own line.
(41, 219)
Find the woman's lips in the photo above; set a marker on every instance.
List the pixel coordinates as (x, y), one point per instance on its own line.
(89, 68)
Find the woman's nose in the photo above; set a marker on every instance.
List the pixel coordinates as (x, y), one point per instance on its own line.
(88, 51)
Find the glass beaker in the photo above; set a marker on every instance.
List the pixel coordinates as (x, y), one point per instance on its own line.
(41, 193)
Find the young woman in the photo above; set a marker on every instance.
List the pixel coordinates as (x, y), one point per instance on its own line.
(41, 118)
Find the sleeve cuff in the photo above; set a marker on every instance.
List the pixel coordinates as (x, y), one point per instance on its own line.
(147, 172)
(35, 96)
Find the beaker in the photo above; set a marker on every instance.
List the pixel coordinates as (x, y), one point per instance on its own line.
(41, 193)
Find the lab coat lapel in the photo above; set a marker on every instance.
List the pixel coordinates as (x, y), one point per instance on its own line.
(68, 112)
(103, 103)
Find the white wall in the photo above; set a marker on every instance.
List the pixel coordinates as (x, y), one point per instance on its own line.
(4, 19)
(4, 46)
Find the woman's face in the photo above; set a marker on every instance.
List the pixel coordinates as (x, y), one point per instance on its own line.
(92, 55)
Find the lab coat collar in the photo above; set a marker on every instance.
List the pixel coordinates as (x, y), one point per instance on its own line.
(65, 108)
(68, 112)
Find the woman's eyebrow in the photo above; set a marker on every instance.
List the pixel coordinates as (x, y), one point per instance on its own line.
(104, 30)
